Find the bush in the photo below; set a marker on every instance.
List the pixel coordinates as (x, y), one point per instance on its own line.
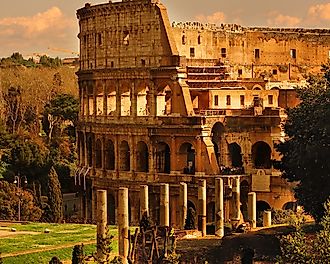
(78, 256)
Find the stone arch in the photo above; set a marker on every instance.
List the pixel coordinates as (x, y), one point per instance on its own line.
(191, 204)
(98, 154)
(90, 151)
(261, 155)
(125, 98)
(110, 156)
(186, 158)
(163, 158)
(261, 207)
(217, 135)
(111, 101)
(111, 209)
(210, 212)
(257, 87)
(235, 152)
(275, 88)
(290, 206)
(99, 98)
(143, 99)
(164, 101)
(244, 191)
(142, 157)
(124, 156)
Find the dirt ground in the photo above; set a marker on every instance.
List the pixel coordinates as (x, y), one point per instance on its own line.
(8, 233)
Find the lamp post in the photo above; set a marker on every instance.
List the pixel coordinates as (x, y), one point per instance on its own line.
(18, 181)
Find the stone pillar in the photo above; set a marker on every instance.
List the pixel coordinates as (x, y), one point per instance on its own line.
(144, 200)
(219, 208)
(105, 98)
(199, 161)
(202, 206)
(85, 150)
(151, 160)
(117, 154)
(101, 224)
(267, 219)
(252, 209)
(164, 205)
(236, 202)
(133, 100)
(132, 147)
(94, 99)
(173, 157)
(118, 99)
(123, 223)
(153, 99)
(183, 204)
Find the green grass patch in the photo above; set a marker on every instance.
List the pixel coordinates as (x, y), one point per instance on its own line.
(60, 234)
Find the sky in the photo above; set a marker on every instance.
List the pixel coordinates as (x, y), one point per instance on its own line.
(50, 26)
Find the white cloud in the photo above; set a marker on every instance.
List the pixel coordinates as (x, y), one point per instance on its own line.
(319, 12)
(276, 19)
(215, 18)
(37, 32)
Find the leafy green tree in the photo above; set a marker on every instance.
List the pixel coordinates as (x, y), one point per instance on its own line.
(306, 152)
(55, 199)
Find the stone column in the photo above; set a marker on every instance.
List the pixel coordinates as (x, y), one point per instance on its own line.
(164, 205)
(252, 209)
(144, 200)
(219, 212)
(105, 98)
(199, 161)
(202, 206)
(133, 154)
(267, 219)
(118, 99)
(173, 157)
(236, 202)
(123, 223)
(183, 204)
(101, 224)
(151, 160)
(133, 100)
(153, 99)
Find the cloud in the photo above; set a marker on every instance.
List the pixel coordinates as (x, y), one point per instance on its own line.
(37, 32)
(319, 12)
(277, 19)
(215, 18)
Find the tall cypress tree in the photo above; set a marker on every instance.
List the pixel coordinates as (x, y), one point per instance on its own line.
(55, 199)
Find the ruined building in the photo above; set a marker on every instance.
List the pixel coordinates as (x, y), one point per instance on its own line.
(164, 103)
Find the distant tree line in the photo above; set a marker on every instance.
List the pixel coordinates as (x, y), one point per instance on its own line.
(16, 59)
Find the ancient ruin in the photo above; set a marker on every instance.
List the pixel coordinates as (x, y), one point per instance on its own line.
(186, 103)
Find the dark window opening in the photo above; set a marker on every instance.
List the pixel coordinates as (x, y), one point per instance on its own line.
(242, 100)
(274, 72)
(192, 52)
(223, 52)
(228, 100)
(293, 53)
(143, 63)
(100, 39)
(257, 53)
(112, 64)
(240, 72)
(199, 40)
(261, 155)
(270, 99)
(183, 40)
(216, 100)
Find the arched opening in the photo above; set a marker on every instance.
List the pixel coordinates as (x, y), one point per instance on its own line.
(290, 206)
(125, 99)
(261, 155)
(261, 207)
(110, 155)
(98, 154)
(163, 158)
(124, 155)
(111, 209)
(90, 151)
(187, 158)
(210, 212)
(235, 153)
(164, 102)
(244, 191)
(218, 140)
(257, 87)
(143, 100)
(142, 157)
(190, 204)
(275, 88)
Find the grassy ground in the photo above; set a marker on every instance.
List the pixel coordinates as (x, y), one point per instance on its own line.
(31, 245)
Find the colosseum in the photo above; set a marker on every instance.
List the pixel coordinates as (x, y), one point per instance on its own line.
(172, 103)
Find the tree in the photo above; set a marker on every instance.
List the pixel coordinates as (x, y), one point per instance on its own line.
(10, 195)
(306, 151)
(55, 199)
